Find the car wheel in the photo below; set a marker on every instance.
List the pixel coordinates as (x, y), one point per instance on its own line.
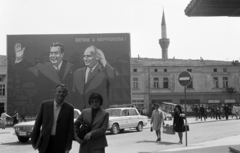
(23, 139)
(139, 127)
(121, 130)
(115, 129)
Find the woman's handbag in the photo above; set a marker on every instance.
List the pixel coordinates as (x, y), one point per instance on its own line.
(186, 126)
(83, 130)
(151, 129)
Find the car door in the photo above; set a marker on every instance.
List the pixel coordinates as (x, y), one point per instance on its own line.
(134, 117)
(126, 121)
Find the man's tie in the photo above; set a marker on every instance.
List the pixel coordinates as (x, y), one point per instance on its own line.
(88, 76)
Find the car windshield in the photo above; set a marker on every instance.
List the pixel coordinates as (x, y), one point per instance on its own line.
(114, 112)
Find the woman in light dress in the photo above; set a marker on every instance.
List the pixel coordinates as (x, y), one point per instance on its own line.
(157, 121)
(4, 116)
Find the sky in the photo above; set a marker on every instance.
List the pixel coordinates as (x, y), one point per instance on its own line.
(212, 38)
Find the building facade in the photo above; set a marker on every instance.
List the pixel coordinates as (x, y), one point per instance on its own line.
(156, 81)
(3, 83)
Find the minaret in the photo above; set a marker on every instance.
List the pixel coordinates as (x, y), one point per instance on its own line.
(164, 42)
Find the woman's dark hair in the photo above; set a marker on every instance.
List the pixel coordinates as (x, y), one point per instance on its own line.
(156, 104)
(95, 96)
(179, 108)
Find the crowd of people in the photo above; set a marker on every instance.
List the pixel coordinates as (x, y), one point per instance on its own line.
(216, 111)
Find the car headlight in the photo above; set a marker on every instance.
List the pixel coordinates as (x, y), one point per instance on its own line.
(17, 128)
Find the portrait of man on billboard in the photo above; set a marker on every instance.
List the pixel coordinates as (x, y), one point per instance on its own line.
(56, 71)
(97, 76)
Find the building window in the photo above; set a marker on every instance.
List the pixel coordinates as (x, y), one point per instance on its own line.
(224, 69)
(229, 100)
(155, 82)
(165, 70)
(155, 70)
(2, 90)
(134, 70)
(135, 83)
(214, 70)
(1, 78)
(165, 82)
(213, 101)
(189, 70)
(215, 82)
(225, 82)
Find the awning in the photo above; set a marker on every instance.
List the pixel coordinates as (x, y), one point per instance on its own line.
(167, 103)
(199, 8)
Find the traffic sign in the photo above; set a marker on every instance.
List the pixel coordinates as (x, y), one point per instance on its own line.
(185, 78)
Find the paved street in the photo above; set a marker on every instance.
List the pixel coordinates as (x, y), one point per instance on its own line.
(211, 136)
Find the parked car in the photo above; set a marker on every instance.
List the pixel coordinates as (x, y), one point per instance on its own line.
(167, 116)
(24, 130)
(123, 118)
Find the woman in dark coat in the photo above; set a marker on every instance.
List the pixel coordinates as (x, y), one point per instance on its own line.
(15, 117)
(95, 140)
(178, 121)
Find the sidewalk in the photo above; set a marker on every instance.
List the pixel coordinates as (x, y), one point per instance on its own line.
(192, 120)
(214, 146)
(7, 130)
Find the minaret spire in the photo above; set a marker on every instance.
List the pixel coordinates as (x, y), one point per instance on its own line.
(164, 42)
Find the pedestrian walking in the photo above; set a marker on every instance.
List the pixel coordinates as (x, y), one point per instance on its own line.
(178, 121)
(15, 117)
(94, 140)
(212, 112)
(237, 111)
(4, 116)
(217, 113)
(226, 111)
(54, 124)
(207, 111)
(202, 113)
(196, 110)
(222, 111)
(157, 121)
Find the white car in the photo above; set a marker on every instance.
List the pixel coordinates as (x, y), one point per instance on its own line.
(123, 118)
(24, 130)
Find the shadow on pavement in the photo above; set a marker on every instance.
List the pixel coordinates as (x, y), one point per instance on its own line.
(157, 142)
(207, 121)
(16, 143)
(215, 149)
(124, 132)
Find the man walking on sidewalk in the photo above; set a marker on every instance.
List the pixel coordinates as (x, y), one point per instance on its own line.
(226, 110)
(217, 113)
(196, 110)
(202, 113)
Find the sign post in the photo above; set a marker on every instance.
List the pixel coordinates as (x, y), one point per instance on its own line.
(185, 78)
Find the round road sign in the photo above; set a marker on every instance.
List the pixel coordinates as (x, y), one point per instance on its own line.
(185, 78)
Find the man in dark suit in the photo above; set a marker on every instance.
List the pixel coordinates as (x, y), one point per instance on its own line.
(226, 111)
(98, 76)
(202, 113)
(42, 76)
(54, 123)
(56, 71)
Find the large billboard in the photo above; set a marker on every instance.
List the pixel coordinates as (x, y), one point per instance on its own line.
(86, 63)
